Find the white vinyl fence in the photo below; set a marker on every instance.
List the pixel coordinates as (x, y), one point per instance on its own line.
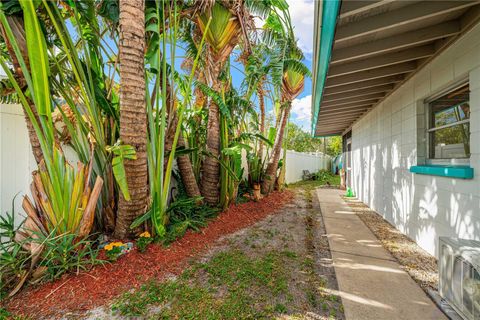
(17, 162)
(16, 157)
(297, 162)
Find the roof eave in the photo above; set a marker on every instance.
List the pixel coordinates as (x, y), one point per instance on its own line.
(326, 13)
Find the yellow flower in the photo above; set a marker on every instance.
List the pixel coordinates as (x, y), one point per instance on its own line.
(146, 234)
(111, 245)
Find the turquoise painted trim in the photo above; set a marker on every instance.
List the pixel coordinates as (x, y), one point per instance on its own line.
(462, 172)
(330, 9)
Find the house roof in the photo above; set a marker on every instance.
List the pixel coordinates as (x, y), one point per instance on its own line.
(373, 47)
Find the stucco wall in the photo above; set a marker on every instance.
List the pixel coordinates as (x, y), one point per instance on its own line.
(384, 146)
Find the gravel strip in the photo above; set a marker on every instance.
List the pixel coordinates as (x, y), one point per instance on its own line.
(421, 266)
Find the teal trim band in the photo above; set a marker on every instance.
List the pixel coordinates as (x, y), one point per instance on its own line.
(462, 172)
(330, 9)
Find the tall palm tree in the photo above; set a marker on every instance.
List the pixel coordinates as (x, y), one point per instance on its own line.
(257, 69)
(133, 114)
(288, 73)
(293, 82)
(222, 37)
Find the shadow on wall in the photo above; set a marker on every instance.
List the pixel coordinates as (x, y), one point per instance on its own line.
(422, 207)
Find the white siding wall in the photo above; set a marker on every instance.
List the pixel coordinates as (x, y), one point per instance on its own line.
(384, 146)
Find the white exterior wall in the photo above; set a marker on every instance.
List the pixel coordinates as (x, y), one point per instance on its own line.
(384, 146)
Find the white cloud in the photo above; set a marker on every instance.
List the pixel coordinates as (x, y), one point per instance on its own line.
(302, 111)
(259, 22)
(301, 13)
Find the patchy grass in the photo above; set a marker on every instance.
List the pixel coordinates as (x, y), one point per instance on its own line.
(326, 180)
(4, 314)
(231, 285)
(278, 268)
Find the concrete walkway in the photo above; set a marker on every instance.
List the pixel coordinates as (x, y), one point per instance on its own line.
(371, 283)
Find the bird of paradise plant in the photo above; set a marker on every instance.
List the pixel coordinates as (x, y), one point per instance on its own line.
(160, 171)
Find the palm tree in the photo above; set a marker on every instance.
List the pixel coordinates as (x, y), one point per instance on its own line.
(222, 37)
(293, 82)
(184, 164)
(257, 69)
(133, 114)
(288, 73)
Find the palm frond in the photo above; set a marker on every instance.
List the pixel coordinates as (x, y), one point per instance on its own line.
(297, 66)
(224, 29)
(215, 96)
(260, 8)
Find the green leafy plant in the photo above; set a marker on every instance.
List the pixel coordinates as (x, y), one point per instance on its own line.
(64, 200)
(4, 314)
(8, 227)
(144, 239)
(120, 153)
(159, 164)
(322, 175)
(113, 250)
(186, 214)
(255, 168)
(14, 260)
(63, 253)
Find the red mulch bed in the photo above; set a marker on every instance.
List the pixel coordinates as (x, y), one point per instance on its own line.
(79, 293)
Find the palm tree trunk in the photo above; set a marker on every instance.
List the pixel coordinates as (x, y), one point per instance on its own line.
(260, 95)
(211, 166)
(18, 30)
(271, 171)
(32, 135)
(184, 164)
(133, 113)
(186, 172)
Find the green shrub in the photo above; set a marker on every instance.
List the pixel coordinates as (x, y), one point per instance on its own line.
(143, 241)
(14, 260)
(323, 175)
(187, 213)
(65, 253)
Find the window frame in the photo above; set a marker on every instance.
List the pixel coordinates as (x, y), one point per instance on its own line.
(430, 128)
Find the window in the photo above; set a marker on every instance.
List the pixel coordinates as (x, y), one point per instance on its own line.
(449, 125)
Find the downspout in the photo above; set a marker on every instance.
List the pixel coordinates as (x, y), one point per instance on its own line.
(324, 35)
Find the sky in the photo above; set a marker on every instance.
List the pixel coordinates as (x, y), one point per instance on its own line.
(302, 15)
(301, 12)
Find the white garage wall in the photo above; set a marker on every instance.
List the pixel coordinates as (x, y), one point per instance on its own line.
(384, 146)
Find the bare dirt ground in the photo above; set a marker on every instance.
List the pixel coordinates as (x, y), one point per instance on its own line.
(278, 268)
